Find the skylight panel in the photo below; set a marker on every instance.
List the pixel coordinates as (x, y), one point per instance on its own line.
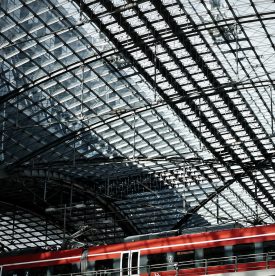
(135, 21)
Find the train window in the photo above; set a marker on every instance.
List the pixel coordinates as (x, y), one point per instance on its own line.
(155, 262)
(104, 264)
(38, 271)
(18, 272)
(125, 260)
(244, 249)
(215, 253)
(63, 269)
(269, 247)
(185, 258)
(135, 263)
(27, 272)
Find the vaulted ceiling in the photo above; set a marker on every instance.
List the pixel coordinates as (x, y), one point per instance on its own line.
(126, 117)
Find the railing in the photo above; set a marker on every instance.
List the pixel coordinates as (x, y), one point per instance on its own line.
(196, 267)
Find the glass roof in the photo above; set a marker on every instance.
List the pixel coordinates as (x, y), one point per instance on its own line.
(163, 107)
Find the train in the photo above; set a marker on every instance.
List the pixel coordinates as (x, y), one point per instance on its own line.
(210, 252)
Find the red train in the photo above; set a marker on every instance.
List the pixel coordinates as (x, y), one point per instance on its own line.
(239, 249)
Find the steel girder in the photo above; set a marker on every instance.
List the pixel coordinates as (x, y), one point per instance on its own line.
(217, 86)
(150, 55)
(106, 203)
(195, 209)
(169, 100)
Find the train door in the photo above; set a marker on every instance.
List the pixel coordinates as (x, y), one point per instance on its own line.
(129, 263)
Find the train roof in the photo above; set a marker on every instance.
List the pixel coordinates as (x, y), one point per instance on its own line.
(192, 230)
(207, 236)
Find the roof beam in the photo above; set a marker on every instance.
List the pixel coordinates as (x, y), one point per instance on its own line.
(195, 209)
(127, 226)
(216, 84)
(192, 51)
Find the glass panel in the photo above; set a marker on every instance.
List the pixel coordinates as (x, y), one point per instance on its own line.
(269, 247)
(135, 262)
(63, 269)
(185, 258)
(125, 258)
(214, 253)
(104, 264)
(244, 249)
(26, 272)
(18, 272)
(156, 260)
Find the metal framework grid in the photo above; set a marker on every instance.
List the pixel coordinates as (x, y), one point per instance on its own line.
(125, 117)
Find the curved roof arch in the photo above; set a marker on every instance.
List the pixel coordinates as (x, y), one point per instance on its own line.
(164, 108)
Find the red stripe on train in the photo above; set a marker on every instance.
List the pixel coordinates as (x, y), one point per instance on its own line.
(42, 259)
(187, 242)
(189, 238)
(199, 240)
(43, 264)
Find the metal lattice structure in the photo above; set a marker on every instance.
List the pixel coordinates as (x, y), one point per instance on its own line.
(125, 117)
